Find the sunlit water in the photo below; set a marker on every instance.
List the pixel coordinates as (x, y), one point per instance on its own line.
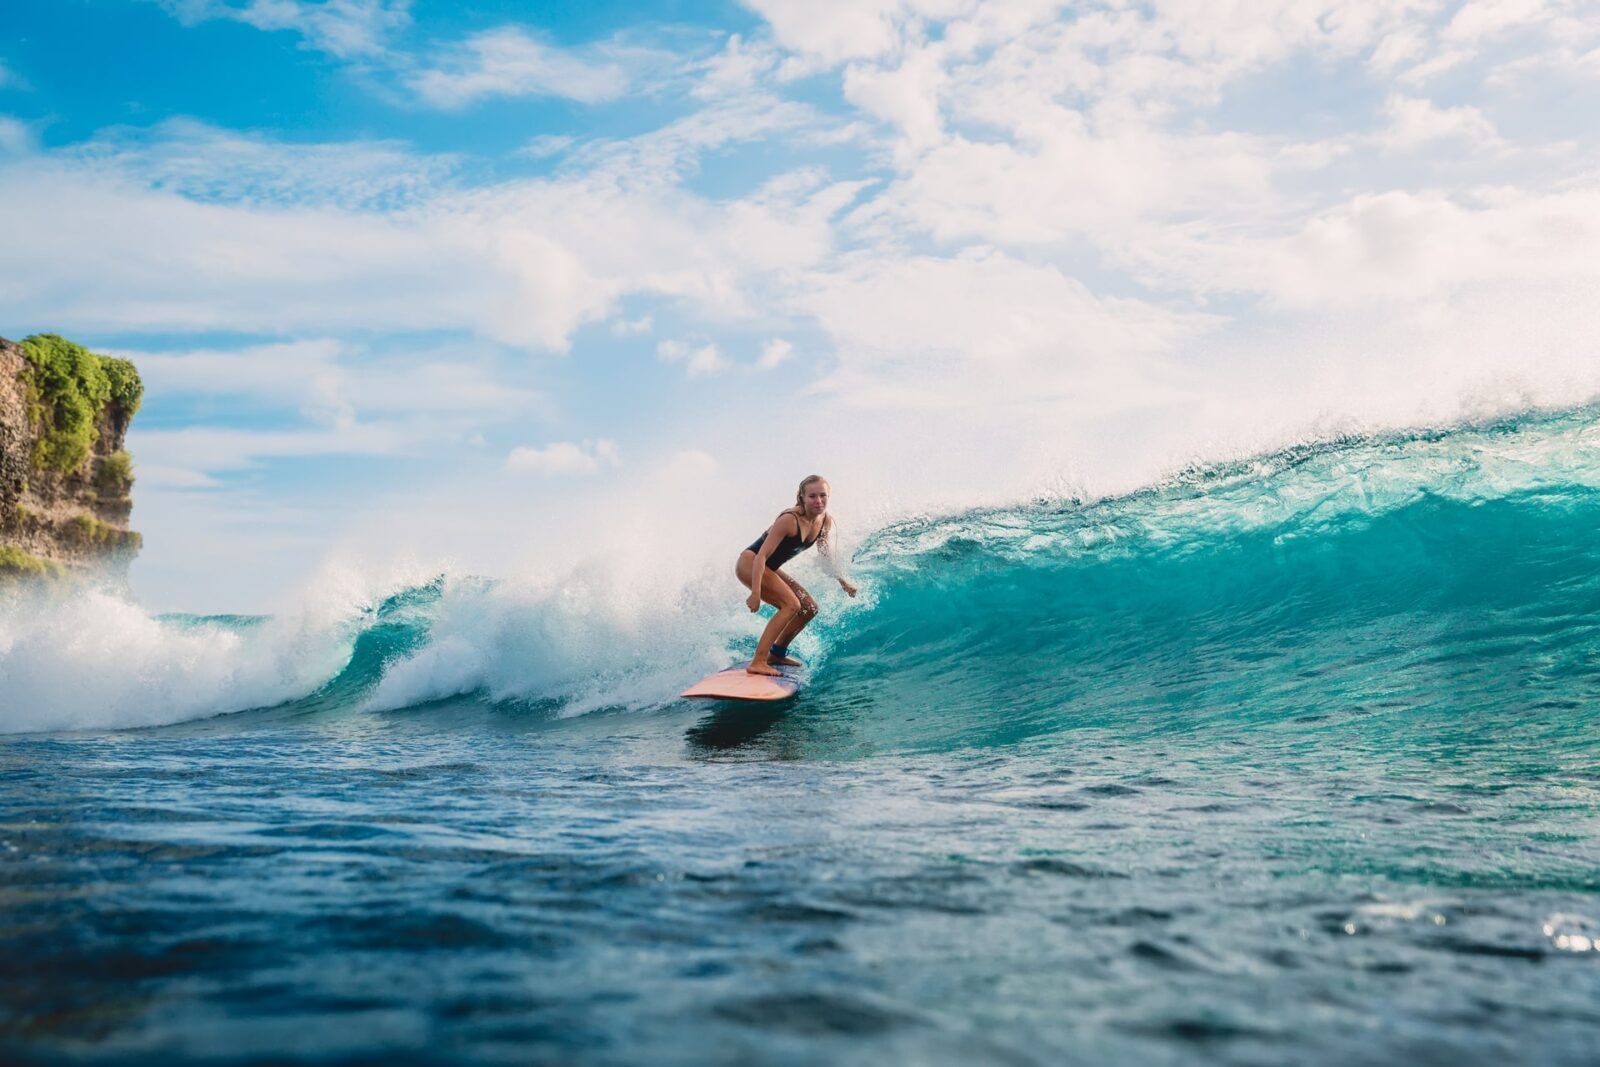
(1297, 761)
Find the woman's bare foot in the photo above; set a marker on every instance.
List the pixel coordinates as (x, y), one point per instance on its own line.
(785, 661)
(760, 667)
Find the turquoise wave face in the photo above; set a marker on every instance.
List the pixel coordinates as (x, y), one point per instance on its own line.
(1437, 606)
(1455, 576)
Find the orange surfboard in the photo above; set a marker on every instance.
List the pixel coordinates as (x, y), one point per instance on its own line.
(735, 684)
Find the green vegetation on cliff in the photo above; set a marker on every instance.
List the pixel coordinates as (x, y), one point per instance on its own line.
(88, 530)
(15, 563)
(69, 388)
(115, 473)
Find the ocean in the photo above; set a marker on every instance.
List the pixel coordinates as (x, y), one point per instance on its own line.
(1294, 759)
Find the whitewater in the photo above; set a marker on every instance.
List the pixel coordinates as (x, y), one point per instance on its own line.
(1285, 758)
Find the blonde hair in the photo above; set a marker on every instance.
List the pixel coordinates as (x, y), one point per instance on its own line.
(800, 493)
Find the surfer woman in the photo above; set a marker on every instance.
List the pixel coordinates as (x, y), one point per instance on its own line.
(795, 530)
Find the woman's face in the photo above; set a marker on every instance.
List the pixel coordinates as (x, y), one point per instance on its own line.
(816, 498)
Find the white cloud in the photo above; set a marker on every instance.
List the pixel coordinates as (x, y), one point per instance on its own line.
(697, 360)
(1402, 246)
(829, 32)
(689, 465)
(739, 68)
(1571, 55)
(210, 449)
(205, 163)
(10, 79)
(16, 137)
(1069, 180)
(330, 381)
(546, 145)
(1414, 122)
(110, 244)
(1478, 19)
(980, 328)
(907, 96)
(630, 327)
(509, 62)
(564, 458)
(774, 353)
(1387, 250)
(342, 28)
(670, 152)
(154, 476)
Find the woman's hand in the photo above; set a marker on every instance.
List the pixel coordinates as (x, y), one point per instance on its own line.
(753, 601)
(849, 589)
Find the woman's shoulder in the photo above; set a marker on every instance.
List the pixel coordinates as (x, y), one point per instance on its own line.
(788, 513)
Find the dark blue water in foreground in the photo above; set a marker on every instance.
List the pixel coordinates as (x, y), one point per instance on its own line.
(1297, 761)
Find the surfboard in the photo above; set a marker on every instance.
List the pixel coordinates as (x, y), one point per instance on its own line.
(735, 684)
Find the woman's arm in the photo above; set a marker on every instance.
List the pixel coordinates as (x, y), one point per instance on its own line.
(830, 560)
(758, 569)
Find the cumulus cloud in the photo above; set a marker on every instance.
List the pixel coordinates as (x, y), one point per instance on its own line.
(1399, 245)
(564, 458)
(978, 328)
(1414, 122)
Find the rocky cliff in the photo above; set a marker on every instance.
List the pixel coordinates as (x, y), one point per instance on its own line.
(64, 476)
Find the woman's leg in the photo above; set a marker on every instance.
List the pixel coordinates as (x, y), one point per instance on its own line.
(775, 592)
(807, 612)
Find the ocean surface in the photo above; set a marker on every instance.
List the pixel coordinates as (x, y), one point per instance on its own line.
(1289, 760)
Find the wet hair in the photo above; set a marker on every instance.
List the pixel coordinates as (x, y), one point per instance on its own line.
(800, 493)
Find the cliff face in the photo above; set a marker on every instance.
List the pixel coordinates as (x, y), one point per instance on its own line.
(64, 477)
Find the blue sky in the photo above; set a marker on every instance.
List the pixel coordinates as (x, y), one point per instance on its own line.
(498, 285)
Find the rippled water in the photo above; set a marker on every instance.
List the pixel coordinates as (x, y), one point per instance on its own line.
(1295, 762)
(712, 887)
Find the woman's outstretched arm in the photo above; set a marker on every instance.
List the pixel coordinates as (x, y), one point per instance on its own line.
(830, 560)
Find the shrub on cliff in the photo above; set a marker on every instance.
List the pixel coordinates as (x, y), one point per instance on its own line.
(85, 529)
(69, 387)
(15, 563)
(127, 390)
(115, 474)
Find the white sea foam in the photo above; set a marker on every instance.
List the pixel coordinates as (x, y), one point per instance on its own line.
(92, 659)
(603, 635)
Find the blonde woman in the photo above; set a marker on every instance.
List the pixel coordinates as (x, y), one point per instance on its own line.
(795, 530)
